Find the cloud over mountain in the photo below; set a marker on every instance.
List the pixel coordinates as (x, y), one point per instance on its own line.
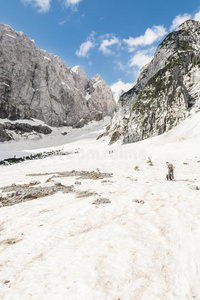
(178, 20)
(150, 36)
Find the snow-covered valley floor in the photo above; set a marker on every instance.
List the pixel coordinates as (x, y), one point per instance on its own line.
(141, 241)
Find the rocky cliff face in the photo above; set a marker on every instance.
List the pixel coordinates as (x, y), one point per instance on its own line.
(166, 91)
(34, 83)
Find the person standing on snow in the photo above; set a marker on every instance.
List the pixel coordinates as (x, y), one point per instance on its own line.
(170, 174)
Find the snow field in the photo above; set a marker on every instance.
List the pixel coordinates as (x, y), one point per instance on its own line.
(144, 245)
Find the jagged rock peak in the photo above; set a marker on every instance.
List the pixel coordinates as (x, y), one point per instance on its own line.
(97, 79)
(37, 84)
(97, 88)
(78, 70)
(189, 25)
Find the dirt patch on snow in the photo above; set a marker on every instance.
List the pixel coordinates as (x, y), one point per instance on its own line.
(84, 194)
(79, 174)
(24, 192)
(15, 194)
(10, 241)
(101, 201)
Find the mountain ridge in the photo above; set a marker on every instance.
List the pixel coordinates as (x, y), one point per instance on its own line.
(166, 89)
(37, 84)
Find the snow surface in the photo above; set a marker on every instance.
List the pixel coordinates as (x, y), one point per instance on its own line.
(144, 245)
(88, 96)
(76, 69)
(96, 83)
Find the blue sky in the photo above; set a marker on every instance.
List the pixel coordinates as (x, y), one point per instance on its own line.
(113, 38)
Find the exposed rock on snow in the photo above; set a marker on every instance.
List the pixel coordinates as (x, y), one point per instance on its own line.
(80, 174)
(20, 193)
(15, 160)
(15, 194)
(4, 136)
(7, 128)
(34, 83)
(167, 89)
(101, 201)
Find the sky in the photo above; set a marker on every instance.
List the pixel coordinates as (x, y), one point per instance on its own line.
(112, 38)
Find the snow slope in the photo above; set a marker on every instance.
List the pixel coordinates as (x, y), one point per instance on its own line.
(143, 245)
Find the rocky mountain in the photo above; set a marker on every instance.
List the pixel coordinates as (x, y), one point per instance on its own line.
(166, 90)
(36, 84)
(8, 129)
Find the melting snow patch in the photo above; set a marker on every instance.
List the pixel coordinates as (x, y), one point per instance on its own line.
(97, 82)
(5, 84)
(88, 96)
(76, 69)
(45, 57)
(63, 83)
(10, 36)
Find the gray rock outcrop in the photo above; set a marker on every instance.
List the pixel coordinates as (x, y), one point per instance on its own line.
(166, 91)
(7, 128)
(4, 135)
(36, 84)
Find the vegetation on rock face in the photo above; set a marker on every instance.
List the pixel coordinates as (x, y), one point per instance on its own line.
(196, 61)
(160, 94)
(174, 38)
(166, 88)
(115, 137)
(136, 168)
(160, 82)
(149, 161)
(169, 38)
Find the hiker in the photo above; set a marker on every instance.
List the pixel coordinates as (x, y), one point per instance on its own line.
(170, 174)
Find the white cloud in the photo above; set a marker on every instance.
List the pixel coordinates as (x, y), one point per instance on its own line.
(42, 5)
(121, 66)
(72, 3)
(141, 58)
(62, 22)
(84, 49)
(119, 88)
(86, 46)
(151, 35)
(107, 43)
(178, 20)
(197, 16)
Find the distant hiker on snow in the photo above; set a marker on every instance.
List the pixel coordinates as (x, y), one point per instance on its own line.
(170, 175)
